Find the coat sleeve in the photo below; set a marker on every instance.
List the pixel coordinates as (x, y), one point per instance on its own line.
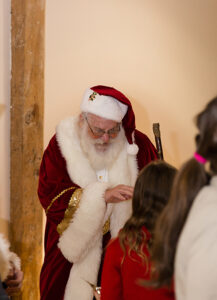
(112, 289)
(87, 225)
(201, 274)
(71, 211)
(201, 271)
(55, 187)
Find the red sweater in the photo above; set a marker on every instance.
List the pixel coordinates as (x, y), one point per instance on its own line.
(120, 280)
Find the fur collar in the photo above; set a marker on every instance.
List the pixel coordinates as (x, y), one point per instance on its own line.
(78, 166)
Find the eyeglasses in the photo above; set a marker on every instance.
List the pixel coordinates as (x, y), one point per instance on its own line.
(98, 132)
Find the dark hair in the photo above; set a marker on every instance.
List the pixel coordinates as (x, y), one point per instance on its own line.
(151, 193)
(187, 183)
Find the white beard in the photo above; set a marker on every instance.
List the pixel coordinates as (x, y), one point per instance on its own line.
(101, 159)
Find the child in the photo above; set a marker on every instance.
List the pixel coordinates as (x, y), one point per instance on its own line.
(127, 256)
(11, 276)
(186, 233)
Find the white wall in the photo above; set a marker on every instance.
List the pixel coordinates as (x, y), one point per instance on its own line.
(4, 113)
(161, 54)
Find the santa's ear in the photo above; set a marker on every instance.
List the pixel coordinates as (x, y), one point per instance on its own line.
(81, 120)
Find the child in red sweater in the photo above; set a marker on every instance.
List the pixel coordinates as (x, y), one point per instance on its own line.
(127, 257)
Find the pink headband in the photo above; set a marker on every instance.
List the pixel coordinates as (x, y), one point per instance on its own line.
(200, 158)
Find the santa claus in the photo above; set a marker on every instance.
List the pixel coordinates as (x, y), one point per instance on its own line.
(86, 183)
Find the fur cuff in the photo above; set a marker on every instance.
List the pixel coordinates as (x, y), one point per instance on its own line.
(87, 223)
(7, 258)
(83, 271)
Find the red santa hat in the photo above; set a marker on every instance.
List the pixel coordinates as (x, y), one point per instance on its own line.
(111, 104)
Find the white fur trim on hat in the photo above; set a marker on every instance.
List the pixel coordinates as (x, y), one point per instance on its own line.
(104, 106)
(132, 149)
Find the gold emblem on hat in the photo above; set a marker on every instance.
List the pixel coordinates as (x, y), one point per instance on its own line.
(92, 96)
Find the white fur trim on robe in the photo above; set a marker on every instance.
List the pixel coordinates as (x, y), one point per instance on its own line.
(7, 258)
(87, 223)
(86, 269)
(81, 242)
(124, 171)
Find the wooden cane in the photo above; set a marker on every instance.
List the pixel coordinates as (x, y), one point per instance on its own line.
(156, 130)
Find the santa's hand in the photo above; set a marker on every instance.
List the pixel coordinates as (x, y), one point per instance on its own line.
(119, 193)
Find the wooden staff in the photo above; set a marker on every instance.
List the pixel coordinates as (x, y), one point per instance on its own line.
(156, 130)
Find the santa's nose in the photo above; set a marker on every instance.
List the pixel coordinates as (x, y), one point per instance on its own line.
(105, 137)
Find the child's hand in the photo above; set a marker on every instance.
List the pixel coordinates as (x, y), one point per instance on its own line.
(14, 281)
(96, 295)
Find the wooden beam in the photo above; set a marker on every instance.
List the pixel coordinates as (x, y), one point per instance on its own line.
(27, 102)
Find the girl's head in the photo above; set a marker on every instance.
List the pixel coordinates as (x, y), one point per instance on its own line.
(151, 193)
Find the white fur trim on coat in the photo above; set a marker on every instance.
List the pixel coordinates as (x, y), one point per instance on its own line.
(82, 271)
(87, 223)
(7, 259)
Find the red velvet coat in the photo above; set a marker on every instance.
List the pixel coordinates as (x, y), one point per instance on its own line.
(120, 277)
(60, 176)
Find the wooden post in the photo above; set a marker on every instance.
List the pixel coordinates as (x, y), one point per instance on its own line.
(27, 101)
